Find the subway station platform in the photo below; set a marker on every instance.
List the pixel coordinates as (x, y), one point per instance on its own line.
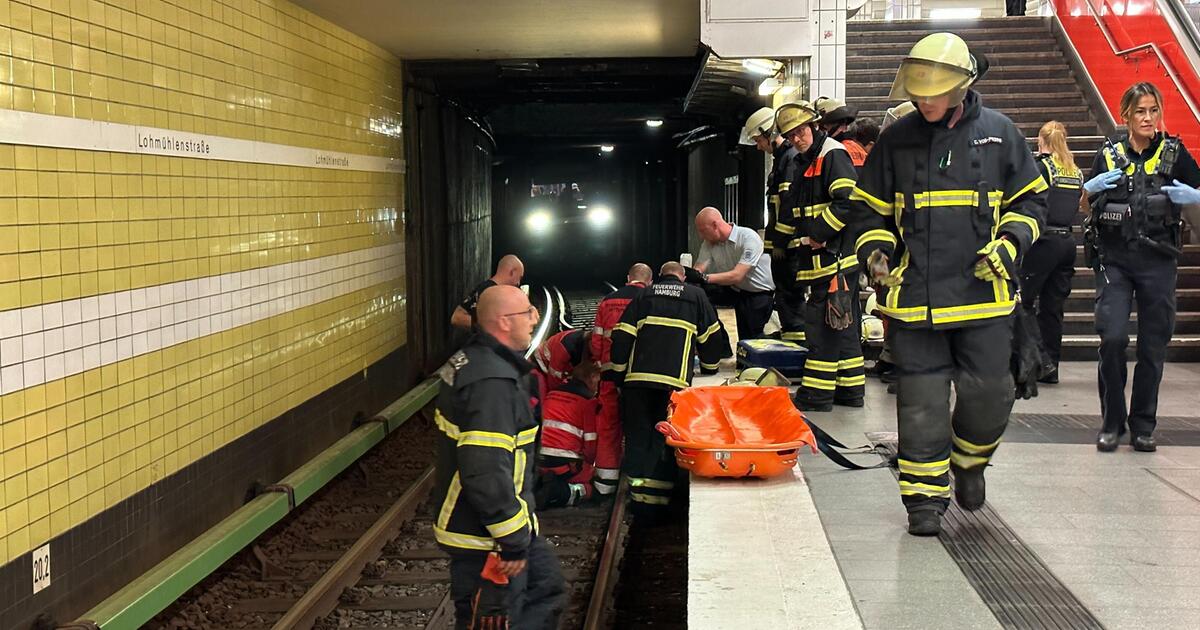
(1069, 537)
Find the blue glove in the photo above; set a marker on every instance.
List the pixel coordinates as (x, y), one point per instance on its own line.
(1182, 194)
(1102, 182)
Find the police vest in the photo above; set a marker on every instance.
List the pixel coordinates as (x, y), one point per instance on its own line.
(1062, 200)
(1138, 206)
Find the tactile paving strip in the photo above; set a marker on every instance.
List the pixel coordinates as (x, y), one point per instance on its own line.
(1014, 583)
(1082, 429)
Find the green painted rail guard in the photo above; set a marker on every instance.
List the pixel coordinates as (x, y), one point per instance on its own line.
(156, 589)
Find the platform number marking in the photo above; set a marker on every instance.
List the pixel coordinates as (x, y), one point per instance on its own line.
(41, 568)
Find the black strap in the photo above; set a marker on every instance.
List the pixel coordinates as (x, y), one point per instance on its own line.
(827, 444)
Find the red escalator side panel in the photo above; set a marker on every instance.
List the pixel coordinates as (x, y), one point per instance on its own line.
(1133, 22)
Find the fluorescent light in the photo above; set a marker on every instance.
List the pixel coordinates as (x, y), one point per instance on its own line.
(769, 86)
(538, 221)
(582, 206)
(607, 148)
(654, 122)
(599, 217)
(787, 89)
(955, 13)
(765, 67)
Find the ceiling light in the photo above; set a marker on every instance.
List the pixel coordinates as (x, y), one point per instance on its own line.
(765, 67)
(599, 217)
(607, 148)
(582, 206)
(769, 86)
(654, 122)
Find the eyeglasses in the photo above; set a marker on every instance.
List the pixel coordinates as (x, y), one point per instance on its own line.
(529, 312)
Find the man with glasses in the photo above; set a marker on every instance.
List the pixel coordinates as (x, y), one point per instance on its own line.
(486, 468)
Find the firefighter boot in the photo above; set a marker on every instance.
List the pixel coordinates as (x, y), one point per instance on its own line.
(969, 486)
(926, 521)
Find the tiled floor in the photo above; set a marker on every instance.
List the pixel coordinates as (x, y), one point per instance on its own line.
(1120, 530)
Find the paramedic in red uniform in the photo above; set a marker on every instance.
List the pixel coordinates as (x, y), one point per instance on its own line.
(567, 450)
(557, 357)
(608, 421)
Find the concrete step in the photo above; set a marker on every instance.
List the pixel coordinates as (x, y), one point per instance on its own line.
(871, 45)
(1187, 300)
(1028, 120)
(971, 36)
(1057, 70)
(997, 60)
(997, 86)
(1084, 323)
(965, 28)
(1190, 258)
(996, 98)
(1188, 278)
(1182, 349)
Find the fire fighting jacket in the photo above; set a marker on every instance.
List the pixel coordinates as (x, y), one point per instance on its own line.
(661, 330)
(819, 200)
(938, 193)
(608, 315)
(569, 423)
(558, 356)
(485, 455)
(780, 224)
(1062, 199)
(1138, 206)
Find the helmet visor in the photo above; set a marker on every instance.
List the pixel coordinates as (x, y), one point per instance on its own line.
(919, 79)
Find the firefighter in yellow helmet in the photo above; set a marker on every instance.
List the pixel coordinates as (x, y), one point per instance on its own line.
(823, 253)
(949, 199)
(760, 132)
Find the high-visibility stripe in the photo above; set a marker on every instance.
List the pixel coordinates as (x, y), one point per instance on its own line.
(909, 488)
(815, 210)
(876, 204)
(670, 322)
(562, 426)
(1035, 186)
(967, 461)
(487, 438)
(875, 235)
(910, 315)
(590, 437)
(819, 383)
(626, 328)
(646, 482)
(463, 541)
(550, 451)
(972, 312)
(784, 228)
(528, 436)
(710, 366)
(1013, 217)
(923, 469)
(450, 501)
(608, 474)
(649, 498)
(973, 449)
(647, 377)
(447, 427)
(712, 329)
(598, 330)
(794, 336)
(784, 186)
(841, 182)
(846, 364)
(617, 367)
(821, 366)
(508, 525)
(832, 221)
(851, 381)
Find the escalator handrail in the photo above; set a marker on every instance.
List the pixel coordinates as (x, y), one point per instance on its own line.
(1175, 9)
(1150, 46)
(544, 327)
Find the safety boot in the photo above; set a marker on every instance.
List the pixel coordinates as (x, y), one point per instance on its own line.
(925, 522)
(969, 487)
(1107, 442)
(1144, 443)
(804, 404)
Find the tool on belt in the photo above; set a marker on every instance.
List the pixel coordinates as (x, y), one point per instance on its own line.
(489, 608)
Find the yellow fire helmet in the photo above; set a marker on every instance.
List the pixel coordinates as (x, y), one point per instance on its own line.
(896, 113)
(939, 64)
(759, 123)
(792, 115)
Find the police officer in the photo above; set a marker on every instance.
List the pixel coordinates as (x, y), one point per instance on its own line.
(789, 298)
(821, 183)
(485, 485)
(1047, 269)
(662, 329)
(954, 197)
(1139, 181)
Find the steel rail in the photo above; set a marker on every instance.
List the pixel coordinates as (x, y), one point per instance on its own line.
(540, 335)
(322, 598)
(562, 310)
(609, 567)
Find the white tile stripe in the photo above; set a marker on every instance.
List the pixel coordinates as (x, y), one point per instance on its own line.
(40, 344)
(65, 132)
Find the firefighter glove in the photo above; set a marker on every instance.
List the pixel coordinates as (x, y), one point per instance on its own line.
(1102, 182)
(998, 261)
(877, 264)
(1182, 194)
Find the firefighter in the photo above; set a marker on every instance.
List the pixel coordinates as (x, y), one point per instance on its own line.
(608, 421)
(567, 449)
(953, 196)
(821, 183)
(1047, 269)
(789, 299)
(1139, 182)
(653, 346)
(558, 356)
(509, 271)
(486, 466)
(836, 119)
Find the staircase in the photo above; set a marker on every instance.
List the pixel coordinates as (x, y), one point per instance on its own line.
(1030, 82)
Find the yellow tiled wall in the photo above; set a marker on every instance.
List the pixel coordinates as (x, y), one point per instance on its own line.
(81, 224)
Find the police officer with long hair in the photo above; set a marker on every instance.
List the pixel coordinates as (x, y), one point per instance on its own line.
(1139, 182)
(1049, 266)
(950, 198)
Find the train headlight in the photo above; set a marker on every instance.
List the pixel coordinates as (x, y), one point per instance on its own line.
(538, 222)
(599, 217)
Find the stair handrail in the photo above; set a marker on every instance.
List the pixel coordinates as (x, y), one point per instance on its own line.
(1177, 18)
(1148, 46)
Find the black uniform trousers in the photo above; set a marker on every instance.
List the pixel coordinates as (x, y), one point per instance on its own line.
(1045, 285)
(648, 463)
(536, 596)
(1015, 7)
(833, 368)
(789, 298)
(753, 311)
(932, 437)
(1148, 277)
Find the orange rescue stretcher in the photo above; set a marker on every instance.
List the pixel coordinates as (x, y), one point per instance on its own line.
(735, 431)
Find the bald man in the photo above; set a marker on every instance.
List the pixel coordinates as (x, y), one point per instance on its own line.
(663, 328)
(733, 256)
(509, 272)
(608, 420)
(486, 467)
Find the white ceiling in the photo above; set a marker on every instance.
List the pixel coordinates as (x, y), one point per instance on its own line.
(516, 29)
